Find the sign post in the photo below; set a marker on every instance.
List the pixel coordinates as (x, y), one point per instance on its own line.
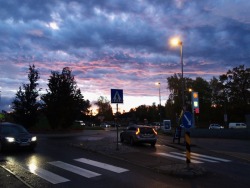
(116, 97)
(187, 122)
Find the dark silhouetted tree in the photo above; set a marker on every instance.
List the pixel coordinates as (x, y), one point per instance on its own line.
(25, 104)
(63, 101)
(104, 108)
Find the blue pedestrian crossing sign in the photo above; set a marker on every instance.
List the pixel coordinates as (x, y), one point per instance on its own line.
(116, 96)
(187, 121)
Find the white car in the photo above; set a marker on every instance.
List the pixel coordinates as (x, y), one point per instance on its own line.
(215, 126)
(80, 122)
(105, 125)
(237, 125)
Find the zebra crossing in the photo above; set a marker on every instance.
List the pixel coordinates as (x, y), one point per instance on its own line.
(195, 157)
(56, 179)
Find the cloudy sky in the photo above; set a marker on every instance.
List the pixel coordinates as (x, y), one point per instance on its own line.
(120, 44)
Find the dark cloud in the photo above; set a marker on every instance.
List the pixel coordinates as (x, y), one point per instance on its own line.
(120, 43)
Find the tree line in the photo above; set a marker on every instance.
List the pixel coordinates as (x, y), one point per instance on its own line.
(221, 100)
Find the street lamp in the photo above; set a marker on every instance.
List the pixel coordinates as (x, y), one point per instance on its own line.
(177, 42)
(159, 85)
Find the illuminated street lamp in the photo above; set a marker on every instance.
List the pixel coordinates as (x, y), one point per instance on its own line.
(159, 85)
(177, 42)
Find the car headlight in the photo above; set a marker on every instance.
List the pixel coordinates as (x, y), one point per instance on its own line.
(33, 139)
(10, 139)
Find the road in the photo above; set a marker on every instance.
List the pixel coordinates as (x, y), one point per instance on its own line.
(69, 161)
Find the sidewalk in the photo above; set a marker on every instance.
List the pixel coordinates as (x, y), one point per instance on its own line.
(9, 180)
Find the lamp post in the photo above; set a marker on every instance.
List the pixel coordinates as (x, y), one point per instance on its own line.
(177, 42)
(159, 85)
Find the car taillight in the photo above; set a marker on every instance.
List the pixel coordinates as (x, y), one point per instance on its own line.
(155, 131)
(137, 131)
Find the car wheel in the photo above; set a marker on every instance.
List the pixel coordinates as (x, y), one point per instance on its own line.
(131, 141)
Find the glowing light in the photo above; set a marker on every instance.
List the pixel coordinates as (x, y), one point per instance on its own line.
(155, 131)
(10, 139)
(33, 138)
(137, 131)
(32, 164)
(175, 41)
(32, 168)
(158, 83)
(195, 104)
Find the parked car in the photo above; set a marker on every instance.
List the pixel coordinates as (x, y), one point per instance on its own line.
(215, 126)
(80, 122)
(14, 136)
(139, 134)
(105, 125)
(237, 125)
(156, 125)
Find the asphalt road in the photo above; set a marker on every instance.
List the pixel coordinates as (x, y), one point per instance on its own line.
(143, 166)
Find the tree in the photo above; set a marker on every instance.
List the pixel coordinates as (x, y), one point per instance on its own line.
(25, 104)
(235, 93)
(63, 101)
(174, 103)
(104, 108)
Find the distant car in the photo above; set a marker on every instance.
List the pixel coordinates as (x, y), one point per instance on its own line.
(105, 125)
(215, 126)
(14, 136)
(139, 134)
(156, 125)
(80, 122)
(237, 125)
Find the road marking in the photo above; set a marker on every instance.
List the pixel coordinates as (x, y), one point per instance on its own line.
(102, 165)
(195, 157)
(178, 157)
(46, 175)
(75, 169)
(210, 157)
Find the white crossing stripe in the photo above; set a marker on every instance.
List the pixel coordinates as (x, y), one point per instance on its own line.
(75, 169)
(102, 165)
(210, 157)
(195, 157)
(178, 157)
(46, 175)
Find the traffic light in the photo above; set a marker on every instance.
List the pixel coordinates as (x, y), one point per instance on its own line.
(195, 102)
(196, 110)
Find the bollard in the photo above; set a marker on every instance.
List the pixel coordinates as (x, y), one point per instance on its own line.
(188, 150)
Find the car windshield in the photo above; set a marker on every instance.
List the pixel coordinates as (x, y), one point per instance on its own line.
(13, 129)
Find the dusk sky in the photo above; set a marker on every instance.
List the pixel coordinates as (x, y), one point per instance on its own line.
(120, 44)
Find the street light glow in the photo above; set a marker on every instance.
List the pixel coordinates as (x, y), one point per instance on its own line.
(175, 41)
(157, 83)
